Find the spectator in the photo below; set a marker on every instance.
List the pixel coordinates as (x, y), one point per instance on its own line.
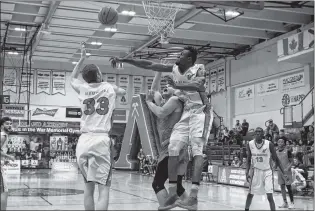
(303, 135)
(294, 148)
(141, 158)
(300, 150)
(238, 126)
(245, 126)
(297, 164)
(205, 163)
(310, 135)
(236, 162)
(273, 130)
(244, 163)
(299, 181)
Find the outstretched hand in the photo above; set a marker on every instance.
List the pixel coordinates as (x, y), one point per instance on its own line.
(114, 61)
(83, 50)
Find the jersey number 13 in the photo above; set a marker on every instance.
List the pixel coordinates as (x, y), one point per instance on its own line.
(90, 106)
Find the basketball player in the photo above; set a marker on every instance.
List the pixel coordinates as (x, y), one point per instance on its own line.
(168, 109)
(285, 156)
(193, 127)
(260, 178)
(93, 150)
(6, 128)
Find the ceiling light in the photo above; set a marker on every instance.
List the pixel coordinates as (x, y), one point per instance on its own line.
(96, 43)
(109, 29)
(74, 62)
(130, 13)
(20, 29)
(232, 13)
(13, 53)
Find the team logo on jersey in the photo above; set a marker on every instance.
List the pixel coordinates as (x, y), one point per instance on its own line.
(44, 111)
(264, 150)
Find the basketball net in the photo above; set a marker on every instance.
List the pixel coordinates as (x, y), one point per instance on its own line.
(161, 18)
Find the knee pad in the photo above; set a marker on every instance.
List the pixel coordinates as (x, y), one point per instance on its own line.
(157, 187)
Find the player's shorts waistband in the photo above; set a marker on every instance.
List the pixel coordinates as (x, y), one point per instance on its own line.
(192, 106)
(262, 169)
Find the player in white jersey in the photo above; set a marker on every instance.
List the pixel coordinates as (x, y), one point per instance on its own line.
(93, 151)
(194, 126)
(258, 171)
(5, 129)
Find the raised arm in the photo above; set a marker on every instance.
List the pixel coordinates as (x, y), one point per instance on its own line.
(76, 71)
(119, 91)
(156, 82)
(145, 64)
(161, 112)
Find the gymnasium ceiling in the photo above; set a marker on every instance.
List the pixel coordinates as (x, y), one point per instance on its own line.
(64, 24)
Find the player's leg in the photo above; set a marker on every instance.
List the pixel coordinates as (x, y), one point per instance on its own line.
(4, 192)
(103, 197)
(182, 168)
(290, 192)
(281, 182)
(268, 181)
(89, 195)
(160, 177)
(254, 183)
(198, 131)
(82, 160)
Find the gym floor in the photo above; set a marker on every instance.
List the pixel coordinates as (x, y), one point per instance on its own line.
(129, 191)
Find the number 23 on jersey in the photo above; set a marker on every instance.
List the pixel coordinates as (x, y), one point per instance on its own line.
(102, 109)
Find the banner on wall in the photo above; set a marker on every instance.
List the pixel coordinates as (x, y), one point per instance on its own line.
(245, 93)
(292, 82)
(111, 78)
(221, 78)
(59, 82)
(267, 87)
(308, 38)
(12, 167)
(213, 80)
(137, 84)
(124, 84)
(73, 112)
(43, 82)
(9, 80)
(27, 82)
(148, 85)
(13, 110)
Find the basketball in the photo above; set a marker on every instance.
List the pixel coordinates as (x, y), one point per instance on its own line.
(108, 16)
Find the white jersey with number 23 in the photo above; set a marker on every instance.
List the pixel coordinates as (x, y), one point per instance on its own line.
(260, 154)
(97, 104)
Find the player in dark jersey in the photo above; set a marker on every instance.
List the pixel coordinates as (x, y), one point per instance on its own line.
(168, 109)
(285, 156)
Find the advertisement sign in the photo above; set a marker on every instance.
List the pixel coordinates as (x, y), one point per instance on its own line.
(13, 110)
(64, 166)
(244, 93)
(73, 112)
(288, 99)
(293, 81)
(120, 116)
(267, 87)
(12, 167)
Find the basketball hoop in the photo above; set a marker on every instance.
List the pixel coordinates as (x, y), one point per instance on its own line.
(161, 18)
